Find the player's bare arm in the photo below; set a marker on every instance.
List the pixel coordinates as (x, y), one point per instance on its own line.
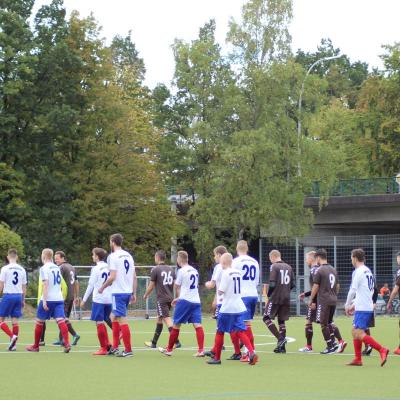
(45, 289)
(177, 293)
(76, 292)
(109, 281)
(149, 289)
(23, 295)
(1, 286)
(394, 293)
(313, 295)
(133, 298)
(210, 284)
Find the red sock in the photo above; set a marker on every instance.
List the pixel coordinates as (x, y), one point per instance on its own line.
(115, 330)
(357, 349)
(172, 338)
(372, 342)
(64, 332)
(246, 341)
(219, 342)
(126, 337)
(102, 335)
(38, 333)
(6, 329)
(250, 335)
(15, 329)
(235, 342)
(200, 338)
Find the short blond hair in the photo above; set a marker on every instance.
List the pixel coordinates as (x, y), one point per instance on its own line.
(242, 246)
(47, 254)
(311, 253)
(183, 256)
(226, 257)
(275, 253)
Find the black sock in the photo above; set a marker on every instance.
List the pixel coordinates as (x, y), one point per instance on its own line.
(71, 330)
(43, 332)
(282, 331)
(157, 333)
(108, 322)
(309, 334)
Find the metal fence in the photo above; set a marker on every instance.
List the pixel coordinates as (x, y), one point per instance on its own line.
(380, 258)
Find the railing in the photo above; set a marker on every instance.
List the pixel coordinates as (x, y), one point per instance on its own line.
(359, 187)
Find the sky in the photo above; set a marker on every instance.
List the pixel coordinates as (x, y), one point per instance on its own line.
(358, 27)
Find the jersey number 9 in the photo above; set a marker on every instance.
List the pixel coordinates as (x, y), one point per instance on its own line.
(126, 265)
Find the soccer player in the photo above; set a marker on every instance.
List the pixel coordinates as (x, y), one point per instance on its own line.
(13, 286)
(232, 312)
(281, 282)
(311, 317)
(69, 276)
(51, 303)
(361, 291)
(250, 280)
(326, 287)
(101, 307)
(124, 283)
(395, 293)
(188, 307)
(162, 278)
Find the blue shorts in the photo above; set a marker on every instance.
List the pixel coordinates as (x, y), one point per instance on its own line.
(187, 313)
(231, 322)
(217, 310)
(56, 310)
(11, 305)
(100, 312)
(362, 319)
(251, 304)
(120, 303)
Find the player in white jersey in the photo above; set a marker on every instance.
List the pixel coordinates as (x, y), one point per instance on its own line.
(13, 286)
(361, 292)
(188, 307)
(232, 312)
(251, 278)
(123, 282)
(101, 306)
(51, 303)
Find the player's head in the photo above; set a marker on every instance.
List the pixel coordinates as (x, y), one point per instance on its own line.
(160, 257)
(218, 251)
(12, 255)
(398, 258)
(311, 260)
(357, 257)
(99, 254)
(226, 260)
(275, 256)
(242, 248)
(59, 257)
(47, 255)
(116, 241)
(183, 258)
(321, 256)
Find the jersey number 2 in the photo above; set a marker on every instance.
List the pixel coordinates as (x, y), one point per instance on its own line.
(193, 278)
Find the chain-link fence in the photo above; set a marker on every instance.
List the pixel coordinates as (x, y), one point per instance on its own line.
(380, 258)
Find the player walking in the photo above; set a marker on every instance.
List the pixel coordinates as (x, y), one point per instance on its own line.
(232, 312)
(124, 283)
(361, 291)
(250, 280)
(101, 307)
(281, 282)
(13, 286)
(395, 293)
(162, 278)
(188, 307)
(51, 303)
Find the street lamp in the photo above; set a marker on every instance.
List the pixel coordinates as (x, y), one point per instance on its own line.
(321, 60)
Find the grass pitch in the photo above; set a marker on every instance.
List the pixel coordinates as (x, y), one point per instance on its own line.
(150, 375)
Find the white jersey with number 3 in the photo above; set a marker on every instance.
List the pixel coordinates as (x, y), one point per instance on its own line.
(250, 274)
(122, 262)
(51, 273)
(231, 284)
(188, 280)
(363, 283)
(98, 276)
(13, 276)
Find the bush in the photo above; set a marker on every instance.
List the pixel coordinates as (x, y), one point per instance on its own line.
(9, 239)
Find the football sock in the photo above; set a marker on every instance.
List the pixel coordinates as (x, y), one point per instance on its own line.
(335, 333)
(108, 322)
(235, 342)
(271, 326)
(246, 341)
(6, 329)
(250, 335)
(169, 330)
(200, 338)
(115, 331)
(64, 331)
(126, 337)
(282, 331)
(173, 336)
(357, 349)
(327, 335)
(219, 342)
(71, 330)
(38, 333)
(15, 329)
(102, 335)
(157, 333)
(368, 332)
(309, 334)
(371, 342)
(43, 332)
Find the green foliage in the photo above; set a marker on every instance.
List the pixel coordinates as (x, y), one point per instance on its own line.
(9, 240)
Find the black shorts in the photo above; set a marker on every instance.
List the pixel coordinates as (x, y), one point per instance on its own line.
(163, 309)
(68, 304)
(325, 314)
(282, 311)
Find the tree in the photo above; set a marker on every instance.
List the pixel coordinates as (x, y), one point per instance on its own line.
(9, 240)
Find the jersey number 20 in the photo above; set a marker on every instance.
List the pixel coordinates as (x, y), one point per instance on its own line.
(249, 272)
